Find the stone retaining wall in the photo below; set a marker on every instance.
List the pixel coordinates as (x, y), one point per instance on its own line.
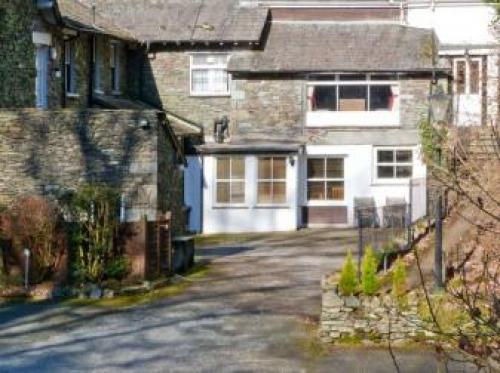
(376, 318)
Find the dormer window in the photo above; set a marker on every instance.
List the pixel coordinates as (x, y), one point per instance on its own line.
(209, 76)
(351, 101)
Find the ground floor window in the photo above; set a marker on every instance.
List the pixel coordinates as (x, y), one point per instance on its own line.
(394, 163)
(325, 179)
(230, 180)
(271, 183)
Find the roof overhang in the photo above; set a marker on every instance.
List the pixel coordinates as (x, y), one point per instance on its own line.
(257, 148)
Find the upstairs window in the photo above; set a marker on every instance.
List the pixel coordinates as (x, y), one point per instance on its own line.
(209, 76)
(271, 183)
(230, 180)
(353, 96)
(115, 67)
(69, 68)
(467, 76)
(394, 163)
(97, 65)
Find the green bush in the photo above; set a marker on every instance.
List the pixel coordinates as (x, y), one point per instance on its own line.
(369, 264)
(348, 281)
(117, 268)
(399, 286)
(95, 210)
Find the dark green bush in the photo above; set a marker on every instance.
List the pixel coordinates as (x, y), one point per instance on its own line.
(399, 286)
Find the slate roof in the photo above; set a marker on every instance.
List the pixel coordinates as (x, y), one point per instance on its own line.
(329, 47)
(187, 20)
(77, 15)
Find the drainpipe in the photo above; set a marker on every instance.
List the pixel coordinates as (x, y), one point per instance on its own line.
(92, 46)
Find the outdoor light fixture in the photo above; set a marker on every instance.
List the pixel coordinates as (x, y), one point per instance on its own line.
(26, 267)
(291, 160)
(439, 106)
(143, 123)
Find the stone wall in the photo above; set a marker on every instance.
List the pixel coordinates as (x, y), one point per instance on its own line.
(373, 318)
(49, 152)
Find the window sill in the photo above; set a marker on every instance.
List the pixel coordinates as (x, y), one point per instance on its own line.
(225, 207)
(210, 94)
(325, 203)
(99, 91)
(116, 93)
(395, 182)
(276, 206)
(72, 95)
(353, 119)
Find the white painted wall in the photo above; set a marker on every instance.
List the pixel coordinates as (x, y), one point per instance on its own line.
(192, 191)
(359, 173)
(456, 24)
(250, 217)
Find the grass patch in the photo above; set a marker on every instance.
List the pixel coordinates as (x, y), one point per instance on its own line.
(310, 344)
(133, 300)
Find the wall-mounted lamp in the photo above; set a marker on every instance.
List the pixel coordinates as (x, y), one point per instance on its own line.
(53, 53)
(143, 123)
(291, 160)
(181, 167)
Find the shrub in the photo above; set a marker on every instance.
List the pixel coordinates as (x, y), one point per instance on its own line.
(35, 223)
(117, 268)
(94, 209)
(399, 281)
(348, 281)
(369, 281)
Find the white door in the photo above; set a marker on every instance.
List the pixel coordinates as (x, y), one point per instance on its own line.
(467, 88)
(42, 76)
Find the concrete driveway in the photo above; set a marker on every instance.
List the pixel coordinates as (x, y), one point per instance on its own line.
(255, 312)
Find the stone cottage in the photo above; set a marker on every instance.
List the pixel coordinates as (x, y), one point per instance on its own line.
(304, 111)
(70, 113)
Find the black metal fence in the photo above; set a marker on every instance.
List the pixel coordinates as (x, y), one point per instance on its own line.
(392, 228)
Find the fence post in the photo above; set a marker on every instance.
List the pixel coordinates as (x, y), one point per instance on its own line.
(360, 242)
(438, 251)
(410, 215)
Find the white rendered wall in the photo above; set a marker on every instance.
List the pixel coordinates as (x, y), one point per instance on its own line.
(463, 24)
(250, 217)
(359, 173)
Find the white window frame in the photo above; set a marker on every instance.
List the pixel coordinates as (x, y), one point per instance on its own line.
(325, 118)
(71, 81)
(325, 180)
(230, 181)
(393, 180)
(467, 75)
(209, 67)
(114, 64)
(272, 180)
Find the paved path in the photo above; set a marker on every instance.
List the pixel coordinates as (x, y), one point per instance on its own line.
(250, 314)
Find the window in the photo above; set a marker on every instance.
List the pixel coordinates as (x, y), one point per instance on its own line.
(271, 183)
(230, 180)
(325, 179)
(353, 95)
(467, 74)
(209, 74)
(394, 163)
(69, 68)
(115, 67)
(97, 65)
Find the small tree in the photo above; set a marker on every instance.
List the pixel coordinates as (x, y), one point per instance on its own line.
(348, 282)
(399, 286)
(369, 281)
(94, 209)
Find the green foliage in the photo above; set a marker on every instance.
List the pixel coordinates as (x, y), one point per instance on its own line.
(348, 281)
(432, 139)
(399, 285)
(369, 280)
(117, 268)
(95, 209)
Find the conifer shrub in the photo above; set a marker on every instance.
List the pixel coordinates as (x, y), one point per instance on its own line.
(348, 281)
(399, 286)
(369, 280)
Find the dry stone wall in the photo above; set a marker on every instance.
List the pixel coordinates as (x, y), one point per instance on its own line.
(374, 318)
